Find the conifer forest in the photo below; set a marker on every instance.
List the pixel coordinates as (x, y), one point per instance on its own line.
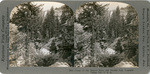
(95, 35)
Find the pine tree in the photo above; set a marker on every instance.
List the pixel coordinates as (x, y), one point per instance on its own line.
(115, 24)
(132, 34)
(49, 24)
(123, 27)
(67, 13)
(57, 26)
(131, 14)
(89, 14)
(24, 18)
(24, 15)
(67, 39)
(91, 18)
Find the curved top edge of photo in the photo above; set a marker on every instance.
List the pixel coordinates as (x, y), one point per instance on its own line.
(110, 6)
(43, 6)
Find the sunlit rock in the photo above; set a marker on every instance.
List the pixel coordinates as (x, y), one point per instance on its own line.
(44, 51)
(60, 64)
(125, 64)
(110, 51)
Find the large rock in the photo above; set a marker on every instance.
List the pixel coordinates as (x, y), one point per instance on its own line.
(125, 64)
(44, 51)
(110, 51)
(60, 64)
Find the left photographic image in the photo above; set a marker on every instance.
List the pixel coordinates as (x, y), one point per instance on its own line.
(41, 34)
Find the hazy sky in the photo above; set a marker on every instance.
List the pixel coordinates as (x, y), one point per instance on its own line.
(113, 5)
(48, 5)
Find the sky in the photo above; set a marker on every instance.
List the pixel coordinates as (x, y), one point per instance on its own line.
(113, 5)
(48, 5)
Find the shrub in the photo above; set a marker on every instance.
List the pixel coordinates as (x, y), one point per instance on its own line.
(45, 61)
(110, 61)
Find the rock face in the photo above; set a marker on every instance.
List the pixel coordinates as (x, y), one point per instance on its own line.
(126, 64)
(60, 64)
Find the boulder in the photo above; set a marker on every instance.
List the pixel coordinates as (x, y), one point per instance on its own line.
(126, 64)
(60, 64)
(110, 51)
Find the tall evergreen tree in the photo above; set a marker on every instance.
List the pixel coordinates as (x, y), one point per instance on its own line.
(67, 13)
(90, 17)
(57, 27)
(115, 24)
(24, 18)
(131, 14)
(49, 24)
(132, 34)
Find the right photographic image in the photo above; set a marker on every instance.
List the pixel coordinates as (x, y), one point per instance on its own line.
(106, 35)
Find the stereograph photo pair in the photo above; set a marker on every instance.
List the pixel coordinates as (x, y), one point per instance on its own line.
(74, 37)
